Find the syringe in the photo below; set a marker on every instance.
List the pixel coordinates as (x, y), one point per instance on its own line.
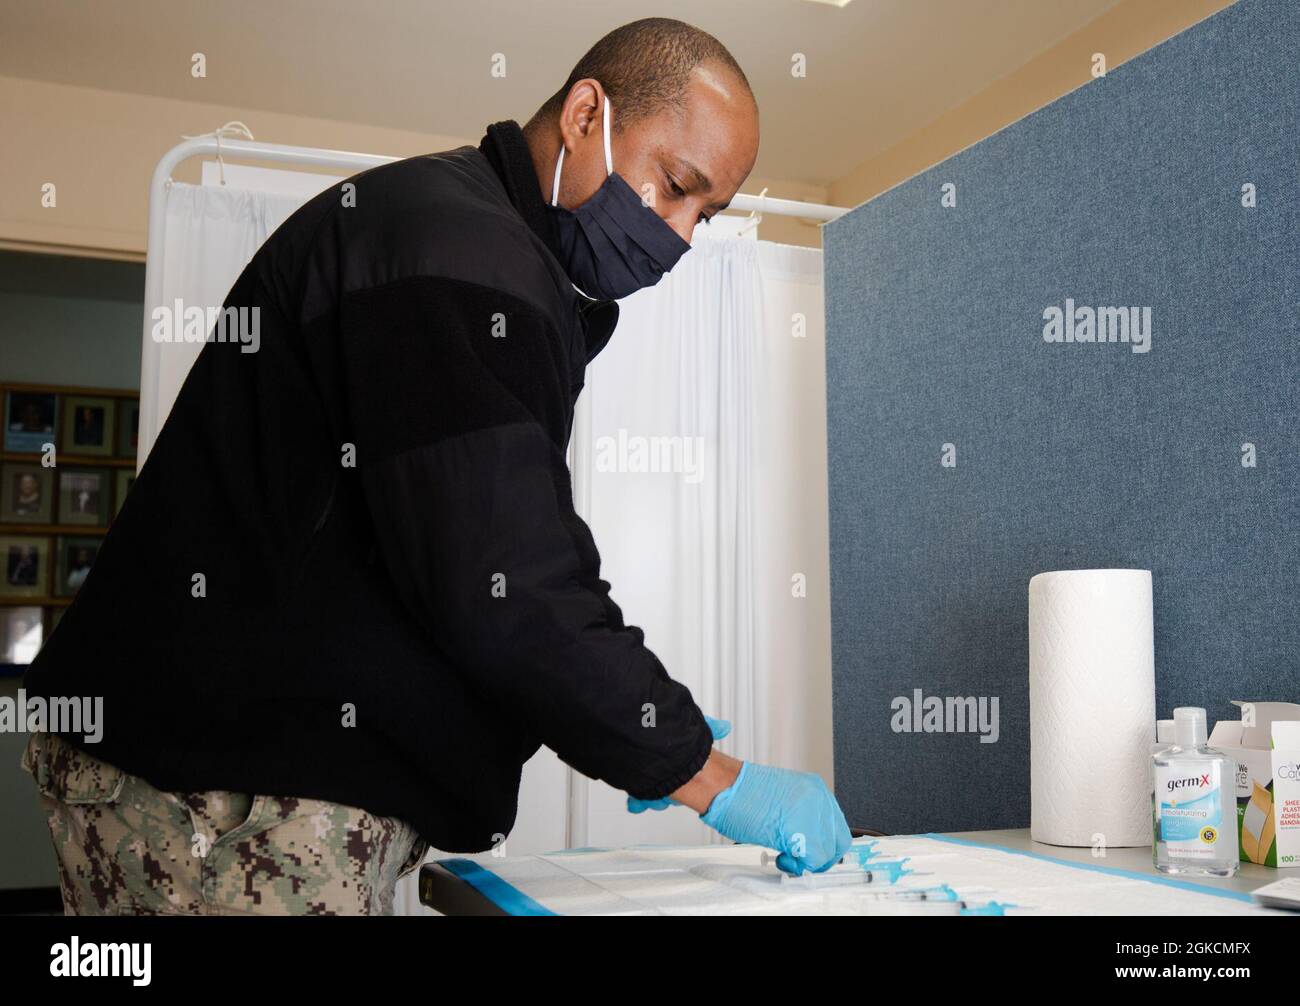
(847, 872)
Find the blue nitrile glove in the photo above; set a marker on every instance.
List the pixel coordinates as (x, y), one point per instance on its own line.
(720, 730)
(791, 812)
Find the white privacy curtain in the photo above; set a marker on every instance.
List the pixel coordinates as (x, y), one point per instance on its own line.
(717, 374)
(727, 353)
(211, 234)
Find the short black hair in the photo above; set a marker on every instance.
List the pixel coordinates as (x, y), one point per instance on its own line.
(644, 67)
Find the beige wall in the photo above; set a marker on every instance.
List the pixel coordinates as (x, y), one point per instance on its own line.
(1123, 32)
(99, 149)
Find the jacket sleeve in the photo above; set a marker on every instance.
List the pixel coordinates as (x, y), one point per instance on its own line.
(458, 399)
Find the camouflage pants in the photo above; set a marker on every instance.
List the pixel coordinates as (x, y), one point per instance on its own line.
(125, 848)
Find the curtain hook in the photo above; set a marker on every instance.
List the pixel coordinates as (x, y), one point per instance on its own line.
(232, 128)
(755, 215)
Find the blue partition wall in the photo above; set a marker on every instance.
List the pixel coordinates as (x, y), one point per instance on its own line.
(973, 443)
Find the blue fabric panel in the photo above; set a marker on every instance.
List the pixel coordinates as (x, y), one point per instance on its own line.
(1125, 192)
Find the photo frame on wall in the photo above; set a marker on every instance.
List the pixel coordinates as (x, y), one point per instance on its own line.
(128, 427)
(30, 419)
(24, 566)
(22, 631)
(76, 556)
(84, 496)
(96, 432)
(88, 423)
(124, 479)
(26, 493)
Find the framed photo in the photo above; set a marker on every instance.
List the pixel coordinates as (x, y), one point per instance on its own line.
(76, 556)
(128, 427)
(29, 420)
(24, 566)
(26, 493)
(88, 425)
(84, 496)
(21, 634)
(124, 479)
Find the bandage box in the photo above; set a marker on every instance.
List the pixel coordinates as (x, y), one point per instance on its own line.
(1266, 744)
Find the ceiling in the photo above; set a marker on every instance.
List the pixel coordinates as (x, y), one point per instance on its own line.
(876, 69)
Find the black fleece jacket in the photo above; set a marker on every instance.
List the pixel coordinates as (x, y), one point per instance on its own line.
(399, 634)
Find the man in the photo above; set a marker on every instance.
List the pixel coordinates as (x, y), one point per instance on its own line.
(351, 570)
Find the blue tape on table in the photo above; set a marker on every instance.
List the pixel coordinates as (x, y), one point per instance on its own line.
(1116, 871)
(501, 893)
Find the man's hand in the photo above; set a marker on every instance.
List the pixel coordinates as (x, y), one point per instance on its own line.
(791, 812)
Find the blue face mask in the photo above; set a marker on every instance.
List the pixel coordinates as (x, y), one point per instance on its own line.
(613, 244)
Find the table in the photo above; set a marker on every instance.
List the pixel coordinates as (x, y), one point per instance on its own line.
(448, 892)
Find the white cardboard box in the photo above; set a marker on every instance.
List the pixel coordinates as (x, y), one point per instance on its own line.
(1266, 745)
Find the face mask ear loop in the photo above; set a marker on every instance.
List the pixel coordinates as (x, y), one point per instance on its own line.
(559, 161)
(609, 158)
(555, 187)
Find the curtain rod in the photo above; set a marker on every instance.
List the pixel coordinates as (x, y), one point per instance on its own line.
(324, 158)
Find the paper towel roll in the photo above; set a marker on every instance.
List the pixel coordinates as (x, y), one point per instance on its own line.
(1091, 707)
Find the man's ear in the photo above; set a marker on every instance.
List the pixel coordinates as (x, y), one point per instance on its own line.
(581, 111)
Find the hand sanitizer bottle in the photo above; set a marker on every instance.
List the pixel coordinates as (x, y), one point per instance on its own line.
(1194, 802)
(1164, 738)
